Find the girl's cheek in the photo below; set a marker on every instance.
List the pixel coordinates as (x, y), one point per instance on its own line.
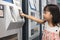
(45, 16)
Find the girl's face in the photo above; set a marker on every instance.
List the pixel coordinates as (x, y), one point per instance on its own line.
(47, 15)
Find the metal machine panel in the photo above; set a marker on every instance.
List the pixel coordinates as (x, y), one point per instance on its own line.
(10, 15)
(8, 26)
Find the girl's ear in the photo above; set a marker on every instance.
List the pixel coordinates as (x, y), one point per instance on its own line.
(51, 15)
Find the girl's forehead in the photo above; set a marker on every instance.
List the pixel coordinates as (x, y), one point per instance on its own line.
(46, 9)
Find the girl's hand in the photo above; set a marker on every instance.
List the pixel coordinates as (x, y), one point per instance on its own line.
(22, 14)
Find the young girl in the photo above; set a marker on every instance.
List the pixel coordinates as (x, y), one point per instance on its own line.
(51, 21)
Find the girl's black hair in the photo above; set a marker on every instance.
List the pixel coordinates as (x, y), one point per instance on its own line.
(54, 10)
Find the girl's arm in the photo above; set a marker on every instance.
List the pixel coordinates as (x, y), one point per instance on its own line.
(32, 18)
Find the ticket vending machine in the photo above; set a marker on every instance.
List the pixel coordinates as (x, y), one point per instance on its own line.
(11, 15)
(10, 20)
(34, 27)
(33, 30)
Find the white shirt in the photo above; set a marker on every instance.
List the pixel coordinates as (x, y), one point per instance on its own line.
(51, 29)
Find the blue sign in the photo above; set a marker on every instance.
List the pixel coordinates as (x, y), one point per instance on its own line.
(33, 8)
(11, 1)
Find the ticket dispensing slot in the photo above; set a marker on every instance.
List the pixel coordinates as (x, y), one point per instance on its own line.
(11, 18)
